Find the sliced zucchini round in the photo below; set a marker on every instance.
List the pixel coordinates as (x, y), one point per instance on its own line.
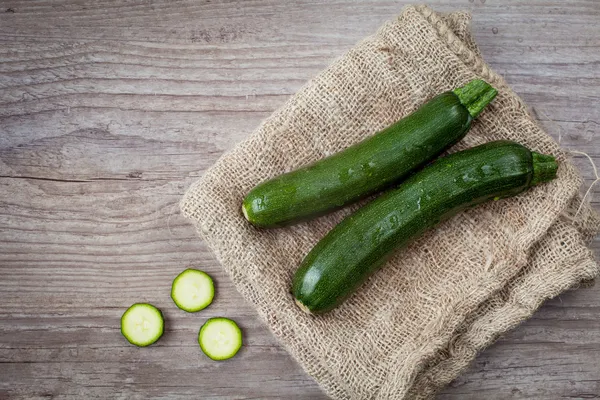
(192, 290)
(142, 324)
(220, 338)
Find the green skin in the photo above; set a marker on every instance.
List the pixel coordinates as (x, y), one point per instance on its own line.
(371, 165)
(363, 241)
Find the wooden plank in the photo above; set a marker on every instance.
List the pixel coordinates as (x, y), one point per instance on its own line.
(110, 109)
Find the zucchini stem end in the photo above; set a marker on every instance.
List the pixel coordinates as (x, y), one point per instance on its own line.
(475, 96)
(544, 168)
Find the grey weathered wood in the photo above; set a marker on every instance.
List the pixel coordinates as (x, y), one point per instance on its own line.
(110, 109)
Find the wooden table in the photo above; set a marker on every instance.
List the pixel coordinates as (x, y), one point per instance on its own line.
(110, 109)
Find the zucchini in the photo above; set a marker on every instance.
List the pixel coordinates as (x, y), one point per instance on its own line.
(362, 242)
(370, 165)
(192, 290)
(142, 324)
(220, 338)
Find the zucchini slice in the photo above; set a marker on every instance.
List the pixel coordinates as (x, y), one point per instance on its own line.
(220, 338)
(142, 324)
(192, 290)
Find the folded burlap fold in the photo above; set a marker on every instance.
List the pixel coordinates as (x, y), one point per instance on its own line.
(418, 322)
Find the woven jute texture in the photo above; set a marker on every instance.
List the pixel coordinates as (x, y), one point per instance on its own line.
(419, 321)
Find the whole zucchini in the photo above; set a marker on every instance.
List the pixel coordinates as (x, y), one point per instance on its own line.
(370, 165)
(361, 243)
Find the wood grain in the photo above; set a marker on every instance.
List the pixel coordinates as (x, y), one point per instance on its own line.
(110, 109)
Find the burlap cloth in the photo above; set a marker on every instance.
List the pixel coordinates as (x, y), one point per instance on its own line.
(419, 321)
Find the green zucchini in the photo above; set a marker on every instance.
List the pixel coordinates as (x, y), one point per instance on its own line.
(362, 242)
(371, 165)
